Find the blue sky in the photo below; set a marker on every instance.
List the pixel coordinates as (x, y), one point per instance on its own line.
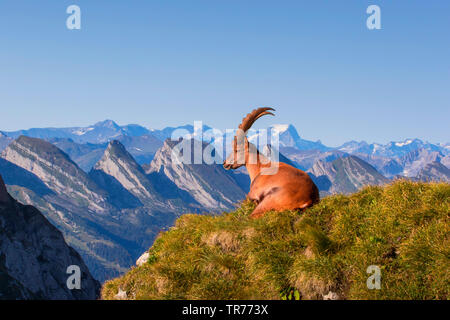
(161, 63)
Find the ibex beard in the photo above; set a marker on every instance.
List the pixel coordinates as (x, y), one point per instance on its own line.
(275, 186)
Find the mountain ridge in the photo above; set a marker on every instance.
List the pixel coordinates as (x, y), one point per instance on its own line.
(118, 163)
(110, 219)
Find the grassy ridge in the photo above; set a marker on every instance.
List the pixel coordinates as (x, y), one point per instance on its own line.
(403, 228)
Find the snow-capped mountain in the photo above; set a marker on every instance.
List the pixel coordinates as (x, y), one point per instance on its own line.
(85, 155)
(391, 149)
(185, 131)
(405, 158)
(85, 145)
(287, 137)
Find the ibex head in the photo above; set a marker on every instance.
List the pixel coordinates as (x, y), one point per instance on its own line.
(239, 155)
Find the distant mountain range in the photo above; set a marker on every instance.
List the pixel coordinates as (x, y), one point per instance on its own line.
(111, 189)
(100, 132)
(112, 213)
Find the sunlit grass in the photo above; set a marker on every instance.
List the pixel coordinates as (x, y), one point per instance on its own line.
(403, 228)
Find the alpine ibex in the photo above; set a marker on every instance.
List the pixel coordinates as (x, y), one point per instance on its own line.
(285, 188)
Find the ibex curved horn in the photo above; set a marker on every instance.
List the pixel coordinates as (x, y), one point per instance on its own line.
(286, 188)
(250, 119)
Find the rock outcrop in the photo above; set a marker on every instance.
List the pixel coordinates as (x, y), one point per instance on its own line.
(345, 175)
(57, 171)
(210, 185)
(34, 256)
(108, 226)
(119, 164)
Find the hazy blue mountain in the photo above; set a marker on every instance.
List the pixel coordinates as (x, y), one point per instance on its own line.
(100, 132)
(143, 147)
(85, 155)
(445, 148)
(4, 141)
(119, 164)
(134, 130)
(142, 143)
(391, 149)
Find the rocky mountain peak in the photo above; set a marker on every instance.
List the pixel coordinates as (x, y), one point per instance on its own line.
(119, 164)
(34, 257)
(116, 152)
(4, 141)
(209, 184)
(110, 124)
(117, 149)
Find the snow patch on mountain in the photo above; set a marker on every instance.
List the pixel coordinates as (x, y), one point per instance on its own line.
(82, 131)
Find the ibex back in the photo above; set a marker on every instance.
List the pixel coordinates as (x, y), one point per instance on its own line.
(285, 188)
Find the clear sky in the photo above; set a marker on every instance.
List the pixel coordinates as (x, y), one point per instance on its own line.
(161, 63)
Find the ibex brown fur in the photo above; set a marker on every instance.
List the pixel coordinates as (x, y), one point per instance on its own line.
(274, 185)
